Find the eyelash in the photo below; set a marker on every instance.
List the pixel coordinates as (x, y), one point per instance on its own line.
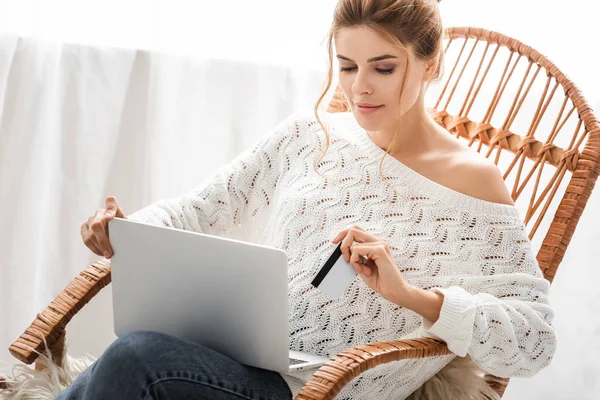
(381, 71)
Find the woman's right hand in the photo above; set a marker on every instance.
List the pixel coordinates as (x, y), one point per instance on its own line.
(94, 231)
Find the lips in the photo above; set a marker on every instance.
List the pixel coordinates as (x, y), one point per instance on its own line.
(366, 105)
(367, 110)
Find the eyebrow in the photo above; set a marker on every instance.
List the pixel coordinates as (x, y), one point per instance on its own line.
(378, 58)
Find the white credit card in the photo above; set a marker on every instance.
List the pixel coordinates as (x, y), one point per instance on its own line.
(335, 275)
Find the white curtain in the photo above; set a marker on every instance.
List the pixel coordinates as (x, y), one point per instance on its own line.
(157, 94)
(79, 123)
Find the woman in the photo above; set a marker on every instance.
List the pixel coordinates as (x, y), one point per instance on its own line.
(445, 255)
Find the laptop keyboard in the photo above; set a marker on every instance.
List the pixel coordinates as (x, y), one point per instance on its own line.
(294, 361)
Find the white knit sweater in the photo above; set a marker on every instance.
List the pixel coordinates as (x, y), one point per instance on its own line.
(476, 252)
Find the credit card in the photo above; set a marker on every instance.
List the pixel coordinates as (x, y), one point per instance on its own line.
(335, 275)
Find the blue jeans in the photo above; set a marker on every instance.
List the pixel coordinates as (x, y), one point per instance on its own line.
(149, 365)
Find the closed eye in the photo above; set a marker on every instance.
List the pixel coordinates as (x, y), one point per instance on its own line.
(380, 70)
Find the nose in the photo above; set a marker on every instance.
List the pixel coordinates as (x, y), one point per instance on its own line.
(361, 84)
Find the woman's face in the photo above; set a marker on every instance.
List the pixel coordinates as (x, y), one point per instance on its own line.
(371, 74)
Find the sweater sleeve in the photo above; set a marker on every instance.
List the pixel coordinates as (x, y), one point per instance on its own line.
(502, 319)
(237, 191)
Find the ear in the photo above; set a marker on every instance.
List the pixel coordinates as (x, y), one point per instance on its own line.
(430, 68)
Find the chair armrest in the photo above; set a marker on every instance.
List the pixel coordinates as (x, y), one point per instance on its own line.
(48, 328)
(329, 380)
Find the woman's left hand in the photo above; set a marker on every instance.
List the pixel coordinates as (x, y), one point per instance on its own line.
(372, 259)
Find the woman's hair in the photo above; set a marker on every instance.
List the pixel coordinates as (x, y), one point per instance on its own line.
(413, 25)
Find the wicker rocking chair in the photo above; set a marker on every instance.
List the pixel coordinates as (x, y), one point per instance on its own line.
(532, 128)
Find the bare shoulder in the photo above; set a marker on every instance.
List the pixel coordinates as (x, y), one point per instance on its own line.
(470, 172)
(481, 177)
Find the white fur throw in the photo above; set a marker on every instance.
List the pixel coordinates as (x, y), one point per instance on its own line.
(461, 379)
(30, 384)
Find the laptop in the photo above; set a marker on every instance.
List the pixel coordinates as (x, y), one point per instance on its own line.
(225, 294)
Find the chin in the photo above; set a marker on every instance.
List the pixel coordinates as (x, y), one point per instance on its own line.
(369, 126)
(369, 122)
